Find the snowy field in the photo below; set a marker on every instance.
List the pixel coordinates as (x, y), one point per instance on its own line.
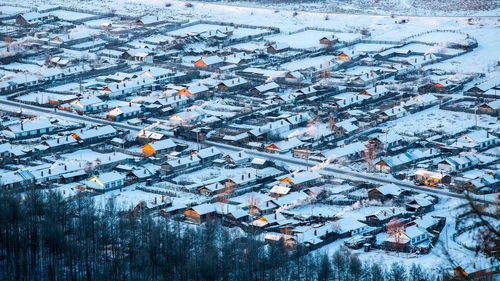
(309, 39)
(435, 119)
(441, 37)
(386, 7)
(365, 47)
(71, 16)
(200, 28)
(12, 10)
(484, 29)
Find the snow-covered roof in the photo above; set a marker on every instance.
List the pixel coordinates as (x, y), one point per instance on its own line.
(267, 87)
(302, 177)
(389, 189)
(31, 125)
(211, 60)
(287, 144)
(414, 231)
(347, 224)
(163, 144)
(477, 137)
(238, 156)
(204, 209)
(97, 131)
(234, 82)
(279, 189)
(494, 104)
(292, 198)
(124, 110)
(191, 159)
(258, 161)
(208, 152)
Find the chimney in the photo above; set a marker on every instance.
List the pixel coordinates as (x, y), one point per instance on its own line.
(275, 216)
(155, 200)
(393, 210)
(144, 171)
(239, 154)
(130, 104)
(58, 140)
(22, 126)
(178, 161)
(66, 138)
(248, 175)
(50, 172)
(65, 167)
(191, 157)
(267, 204)
(315, 232)
(242, 176)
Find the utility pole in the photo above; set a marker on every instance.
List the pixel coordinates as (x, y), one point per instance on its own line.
(198, 139)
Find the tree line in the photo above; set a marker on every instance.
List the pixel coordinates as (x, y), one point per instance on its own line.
(44, 236)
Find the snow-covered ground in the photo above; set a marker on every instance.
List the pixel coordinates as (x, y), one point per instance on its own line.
(484, 29)
(447, 122)
(386, 7)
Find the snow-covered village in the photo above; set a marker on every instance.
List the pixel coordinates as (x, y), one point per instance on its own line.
(249, 140)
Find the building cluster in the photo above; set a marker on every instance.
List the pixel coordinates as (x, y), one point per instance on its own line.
(204, 121)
